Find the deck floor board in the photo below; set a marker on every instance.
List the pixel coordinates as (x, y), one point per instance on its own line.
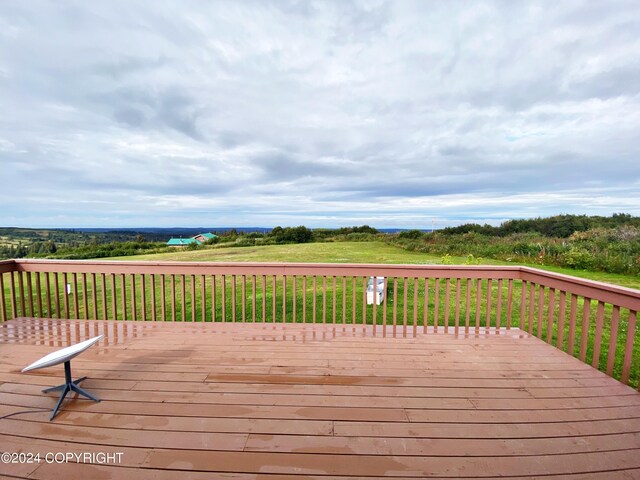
(277, 401)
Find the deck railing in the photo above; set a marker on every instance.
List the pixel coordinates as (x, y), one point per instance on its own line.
(593, 321)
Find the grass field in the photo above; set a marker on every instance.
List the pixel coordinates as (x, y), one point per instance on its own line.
(352, 252)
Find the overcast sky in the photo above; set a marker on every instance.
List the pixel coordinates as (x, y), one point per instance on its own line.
(256, 113)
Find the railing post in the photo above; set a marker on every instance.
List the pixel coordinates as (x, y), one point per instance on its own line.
(3, 311)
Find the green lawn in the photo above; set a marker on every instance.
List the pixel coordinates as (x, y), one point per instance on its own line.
(351, 252)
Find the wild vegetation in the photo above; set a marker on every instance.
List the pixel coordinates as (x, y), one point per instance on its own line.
(607, 244)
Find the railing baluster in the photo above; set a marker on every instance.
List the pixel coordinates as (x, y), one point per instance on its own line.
(499, 307)
(233, 298)
(334, 299)
(85, 299)
(395, 304)
(384, 307)
(523, 307)
(39, 294)
(123, 295)
(30, 294)
(183, 298)
(532, 305)
(489, 299)
(14, 303)
(415, 306)
(598, 340)
(315, 293)
(114, 308)
(436, 306)
(244, 298)
(304, 299)
(193, 298)
(509, 303)
(94, 291)
(551, 308)
(123, 291)
(274, 292)
(3, 311)
(143, 296)
(613, 339)
(478, 303)
(572, 325)
(364, 300)
(447, 296)
(103, 279)
(154, 305)
(214, 306)
(284, 299)
(425, 314)
(23, 307)
(264, 298)
(203, 298)
(324, 299)
(344, 300)
(294, 306)
(163, 295)
(561, 314)
(584, 333)
(541, 292)
(457, 324)
(404, 304)
(224, 297)
(65, 286)
(628, 348)
(253, 301)
(134, 309)
(467, 317)
(353, 305)
(173, 298)
(375, 306)
(76, 299)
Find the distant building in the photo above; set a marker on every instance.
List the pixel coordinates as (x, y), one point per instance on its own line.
(203, 237)
(198, 239)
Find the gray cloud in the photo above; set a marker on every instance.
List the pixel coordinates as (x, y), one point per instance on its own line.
(323, 113)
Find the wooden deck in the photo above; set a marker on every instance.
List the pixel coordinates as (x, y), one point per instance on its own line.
(183, 400)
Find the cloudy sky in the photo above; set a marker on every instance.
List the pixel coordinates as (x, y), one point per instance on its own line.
(258, 113)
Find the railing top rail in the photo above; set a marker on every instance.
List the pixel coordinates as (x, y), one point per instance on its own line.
(605, 292)
(618, 295)
(251, 268)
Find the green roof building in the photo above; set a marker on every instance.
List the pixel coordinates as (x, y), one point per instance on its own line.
(198, 239)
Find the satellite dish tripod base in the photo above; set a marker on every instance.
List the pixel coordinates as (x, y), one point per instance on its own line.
(68, 386)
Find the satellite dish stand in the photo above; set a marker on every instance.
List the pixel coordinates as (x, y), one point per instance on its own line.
(68, 386)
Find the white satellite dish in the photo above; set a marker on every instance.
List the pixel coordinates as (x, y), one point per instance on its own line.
(64, 356)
